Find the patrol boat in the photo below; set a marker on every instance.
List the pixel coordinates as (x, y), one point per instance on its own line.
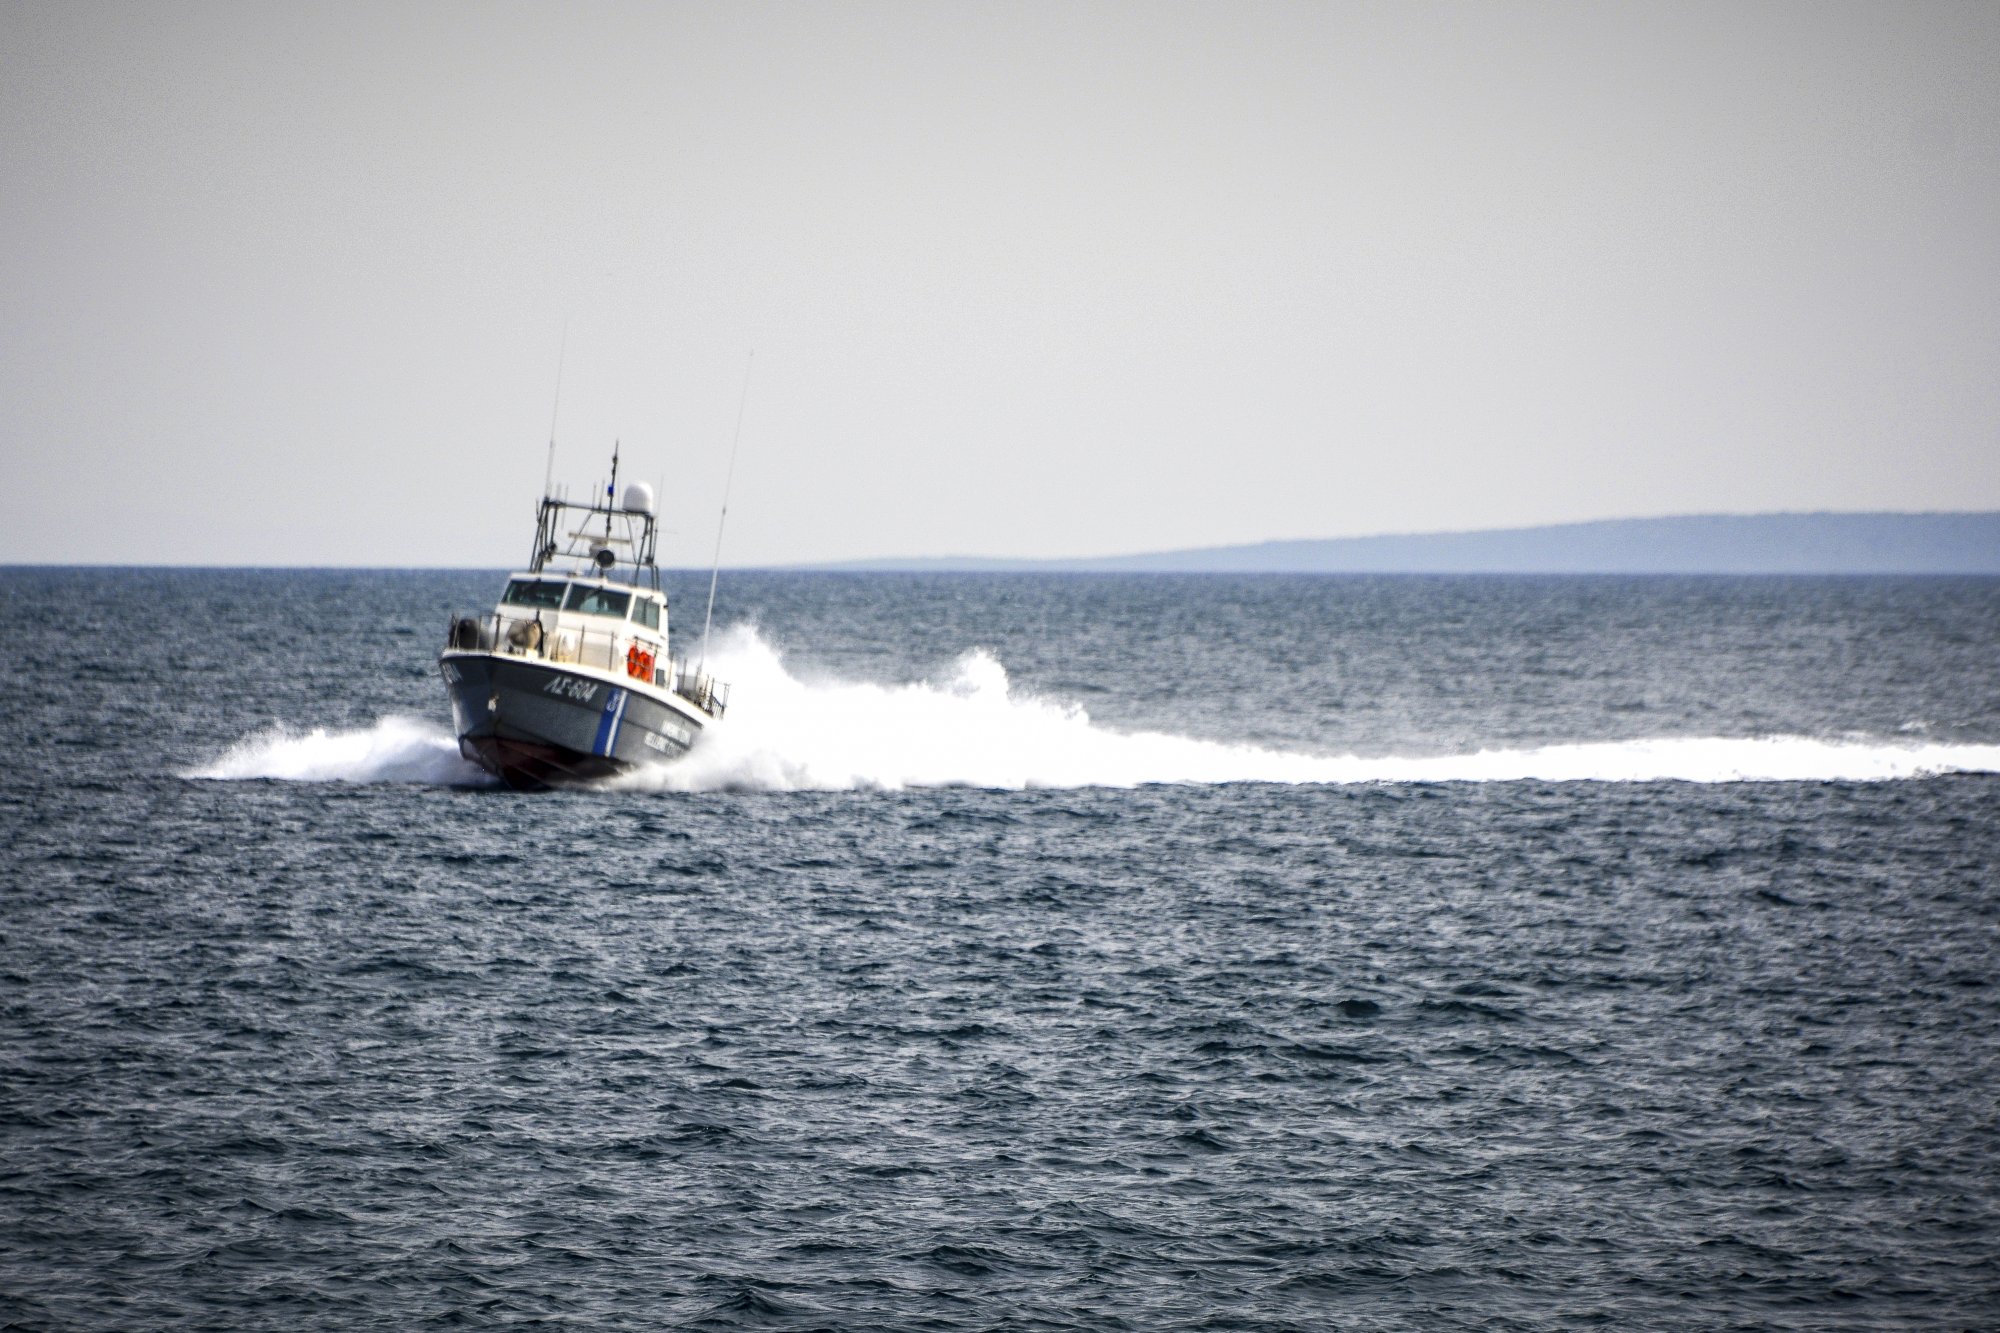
(570, 678)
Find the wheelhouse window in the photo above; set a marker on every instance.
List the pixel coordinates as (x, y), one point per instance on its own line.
(534, 592)
(646, 611)
(597, 601)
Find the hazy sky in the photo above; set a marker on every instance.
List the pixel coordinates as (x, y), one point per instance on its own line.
(286, 284)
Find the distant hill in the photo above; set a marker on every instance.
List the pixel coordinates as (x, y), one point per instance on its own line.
(1945, 543)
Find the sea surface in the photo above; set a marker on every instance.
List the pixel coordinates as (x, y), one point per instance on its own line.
(1022, 952)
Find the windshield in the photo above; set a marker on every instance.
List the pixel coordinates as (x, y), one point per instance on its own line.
(597, 601)
(533, 592)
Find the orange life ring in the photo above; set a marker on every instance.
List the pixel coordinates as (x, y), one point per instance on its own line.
(638, 663)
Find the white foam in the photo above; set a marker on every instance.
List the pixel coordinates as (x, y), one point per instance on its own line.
(970, 728)
(394, 749)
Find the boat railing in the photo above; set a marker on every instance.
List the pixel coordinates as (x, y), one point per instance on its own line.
(606, 650)
(698, 688)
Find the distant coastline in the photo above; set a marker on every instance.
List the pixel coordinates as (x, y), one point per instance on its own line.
(1941, 543)
(1822, 543)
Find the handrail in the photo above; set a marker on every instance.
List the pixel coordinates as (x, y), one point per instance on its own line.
(604, 650)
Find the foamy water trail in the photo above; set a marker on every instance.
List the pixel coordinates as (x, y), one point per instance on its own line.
(394, 749)
(970, 728)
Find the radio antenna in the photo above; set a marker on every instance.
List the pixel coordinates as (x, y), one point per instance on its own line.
(729, 479)
(549, 475)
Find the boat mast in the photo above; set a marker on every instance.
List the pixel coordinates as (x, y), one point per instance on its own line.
(611, 493)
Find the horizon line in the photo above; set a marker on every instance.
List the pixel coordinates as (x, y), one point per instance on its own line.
(856, 563)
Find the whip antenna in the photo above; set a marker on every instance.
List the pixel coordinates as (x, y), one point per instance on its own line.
(715, 568)
(549, 475)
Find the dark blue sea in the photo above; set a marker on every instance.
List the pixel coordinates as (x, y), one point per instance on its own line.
(1022, 952)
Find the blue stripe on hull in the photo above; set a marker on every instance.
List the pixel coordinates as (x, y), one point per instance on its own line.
(607, 725)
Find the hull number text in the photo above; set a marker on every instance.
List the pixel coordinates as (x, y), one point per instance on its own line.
(569, 687)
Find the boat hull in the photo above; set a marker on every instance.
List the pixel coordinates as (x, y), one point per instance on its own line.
(535, 724)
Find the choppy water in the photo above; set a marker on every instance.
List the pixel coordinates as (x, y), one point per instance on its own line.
(1023, 952)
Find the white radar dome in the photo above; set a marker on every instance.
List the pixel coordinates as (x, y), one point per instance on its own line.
(639, 497)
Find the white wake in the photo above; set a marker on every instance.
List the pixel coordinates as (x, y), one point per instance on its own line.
(970, 728)
(395, 749)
